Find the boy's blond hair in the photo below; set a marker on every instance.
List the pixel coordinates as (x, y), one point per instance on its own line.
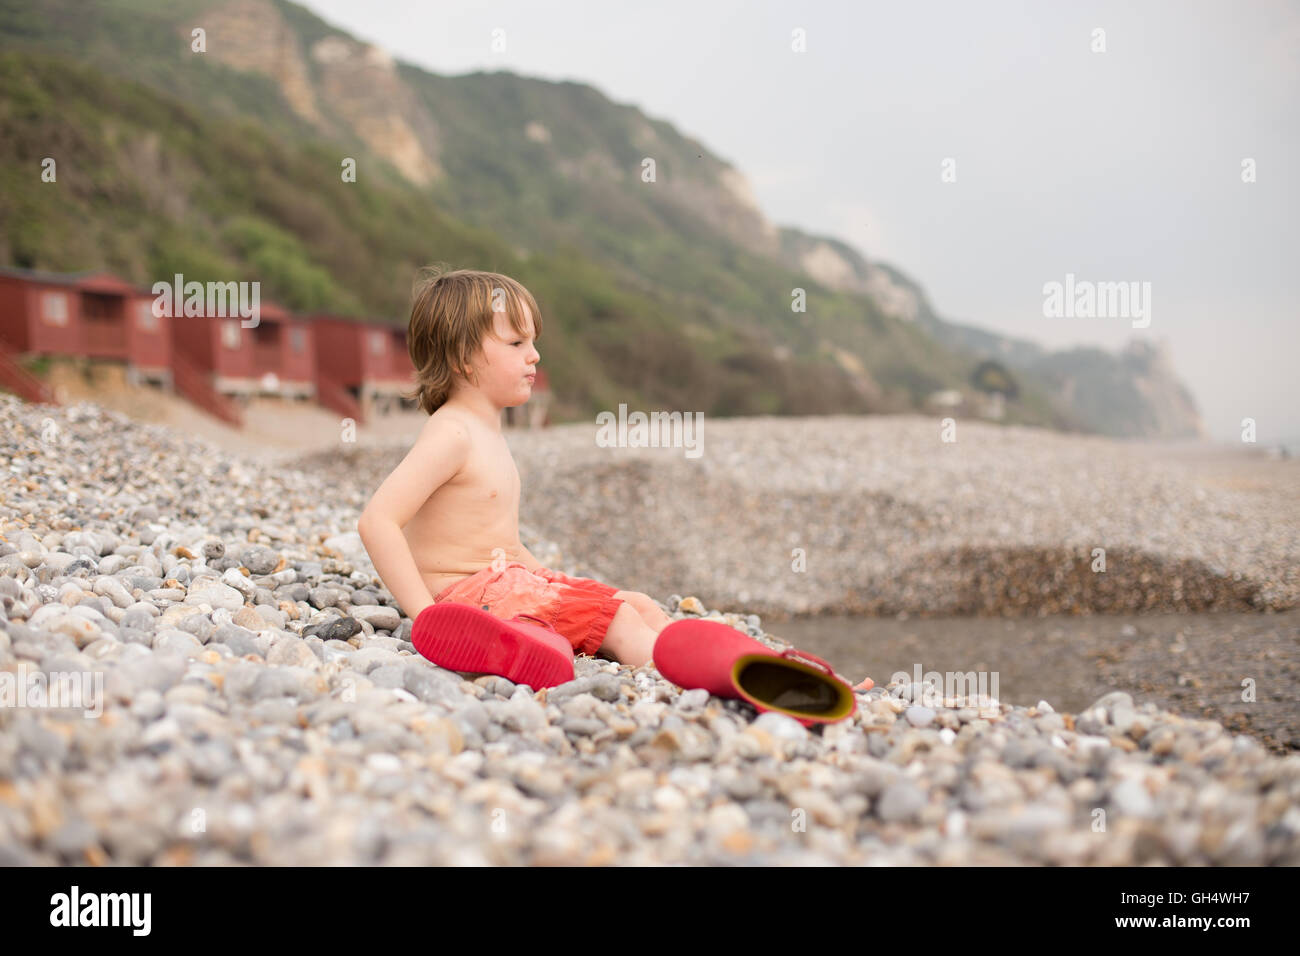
(451, 313)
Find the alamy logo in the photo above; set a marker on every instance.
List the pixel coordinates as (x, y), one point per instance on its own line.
(102, 909)
(221, 299)
(31, 687)
(657, 430)
(1098, 300)
(978, 689)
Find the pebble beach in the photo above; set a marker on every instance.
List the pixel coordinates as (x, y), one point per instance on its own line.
(262, 704)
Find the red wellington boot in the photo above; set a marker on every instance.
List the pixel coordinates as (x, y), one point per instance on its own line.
(460, 637)
(729, 663)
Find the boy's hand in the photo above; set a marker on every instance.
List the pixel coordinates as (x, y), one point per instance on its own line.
(416, 623)
(531, 563)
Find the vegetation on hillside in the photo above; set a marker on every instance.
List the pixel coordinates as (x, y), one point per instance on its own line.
(170, 162)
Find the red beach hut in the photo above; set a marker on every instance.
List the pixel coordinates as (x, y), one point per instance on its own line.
(361, 365)
(92, 314)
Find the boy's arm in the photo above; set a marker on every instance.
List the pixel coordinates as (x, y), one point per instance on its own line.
(438, 454)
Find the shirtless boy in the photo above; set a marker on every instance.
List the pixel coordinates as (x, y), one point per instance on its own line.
(444, 526)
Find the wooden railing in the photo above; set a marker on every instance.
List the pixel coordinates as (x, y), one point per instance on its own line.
(336, 397)
(22, 382)
(193, 384)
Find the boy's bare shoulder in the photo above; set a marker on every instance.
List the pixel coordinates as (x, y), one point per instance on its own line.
(446, 430)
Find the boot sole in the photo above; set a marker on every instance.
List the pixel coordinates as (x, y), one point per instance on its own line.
(463, 638)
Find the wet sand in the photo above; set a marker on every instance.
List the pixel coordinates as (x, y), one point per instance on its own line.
(1192, 664)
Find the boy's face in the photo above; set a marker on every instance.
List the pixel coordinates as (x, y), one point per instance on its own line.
(507, 361)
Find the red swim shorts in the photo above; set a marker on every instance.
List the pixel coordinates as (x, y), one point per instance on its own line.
(579, 609)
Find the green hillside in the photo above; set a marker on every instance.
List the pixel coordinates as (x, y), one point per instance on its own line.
(226, 165)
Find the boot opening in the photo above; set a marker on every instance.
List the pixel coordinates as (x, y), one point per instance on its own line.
(780, 686)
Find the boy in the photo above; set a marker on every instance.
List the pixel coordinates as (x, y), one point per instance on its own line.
(444, 526)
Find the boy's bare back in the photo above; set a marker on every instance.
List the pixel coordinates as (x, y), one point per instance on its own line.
(455, 497)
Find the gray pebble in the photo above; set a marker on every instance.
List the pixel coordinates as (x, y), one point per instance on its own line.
(1131, 799)
(583, 726)
(216, 594)
(379, 617)
(1107, 702)
(259, 560)
(780, 726)
(338, 629)
(919, 716)
(240, 640)
(901, 801)
(523, 713)
(606, 687)
(73, 838)
(693, 699)
(388, 675)
(323, 598)
(561, 692)
(177, 641)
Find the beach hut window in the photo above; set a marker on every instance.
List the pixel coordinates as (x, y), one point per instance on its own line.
(297, 340)
(230, 335)
(145, 319)
(54, 306)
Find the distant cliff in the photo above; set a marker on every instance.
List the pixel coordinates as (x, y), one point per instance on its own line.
(1133, 393)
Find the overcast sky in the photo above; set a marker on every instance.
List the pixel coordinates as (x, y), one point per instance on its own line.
(1122, 165)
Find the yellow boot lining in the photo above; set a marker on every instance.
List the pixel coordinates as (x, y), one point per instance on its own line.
(791, 686)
